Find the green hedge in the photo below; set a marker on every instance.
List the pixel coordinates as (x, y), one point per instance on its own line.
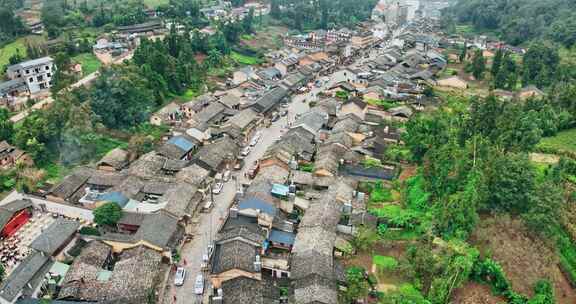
(89, 231)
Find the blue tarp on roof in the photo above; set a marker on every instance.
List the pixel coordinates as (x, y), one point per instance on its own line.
(277, 236)
(182, 143)
(279, 189)
(114, 197)
(254, 203)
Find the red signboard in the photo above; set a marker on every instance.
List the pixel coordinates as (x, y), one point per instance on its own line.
(17, 221)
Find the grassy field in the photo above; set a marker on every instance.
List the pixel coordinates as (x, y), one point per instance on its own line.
(563, 141)
(19, 45)
(244, 59)
(89, 62)
(155, 3)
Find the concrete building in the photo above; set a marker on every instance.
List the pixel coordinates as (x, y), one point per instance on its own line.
(37, 73)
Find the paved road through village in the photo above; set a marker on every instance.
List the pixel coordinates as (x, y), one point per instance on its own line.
(205, 226)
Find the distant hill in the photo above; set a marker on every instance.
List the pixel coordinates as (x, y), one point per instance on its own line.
(519, 21)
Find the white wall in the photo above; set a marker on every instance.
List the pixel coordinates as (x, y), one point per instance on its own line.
(58, 208)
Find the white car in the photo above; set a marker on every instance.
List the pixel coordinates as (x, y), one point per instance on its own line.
(217, 188)
(226, 176)
(245, 151)
(254, 141)
(199, 285)
(180, 276)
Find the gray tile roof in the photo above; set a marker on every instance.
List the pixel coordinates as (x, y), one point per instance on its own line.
(180, 200)
(234, 255)
(33, 266)
(158, 229)
(134, 274)
(71, 183)
(116, 158)
(315, 289)
(211, 156)
(55, 237)
(242, 290)
(243, 118)
(269, 100)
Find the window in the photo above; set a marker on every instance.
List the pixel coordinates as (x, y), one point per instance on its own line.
(27, 71)
(31, 79)
(48, 75)
(40, 78)
(47, 68)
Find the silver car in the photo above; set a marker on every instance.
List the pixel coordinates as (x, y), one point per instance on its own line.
(199, 285)
(180, 276)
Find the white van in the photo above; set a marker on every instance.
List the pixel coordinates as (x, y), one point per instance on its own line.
(180, 276)
(226, 176)
(199, 285)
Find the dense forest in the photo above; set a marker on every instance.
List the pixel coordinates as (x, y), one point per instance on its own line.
(519, 21)
(10, 25)
(321, 14)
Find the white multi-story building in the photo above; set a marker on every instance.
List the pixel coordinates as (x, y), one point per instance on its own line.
(36, 74)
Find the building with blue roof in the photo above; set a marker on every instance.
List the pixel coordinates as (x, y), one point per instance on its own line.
(281, 239)
(114, 197)
(178, 147)
(280, 190)
(255, 204)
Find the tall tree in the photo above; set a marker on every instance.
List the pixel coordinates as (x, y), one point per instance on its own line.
(478, 64)
(121, 97)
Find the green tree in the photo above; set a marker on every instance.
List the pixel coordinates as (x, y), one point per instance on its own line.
(543, 216)
(478, 65)
(108, 214)
(6, 126)
(121, 97)
(457, 215)
(424, 132)
(463, 53)
(497, 62)
(511, 183)
(358, 287)
(2, 273)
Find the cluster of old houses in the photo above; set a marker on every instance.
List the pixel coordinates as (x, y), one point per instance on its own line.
(285, 231)
(265, 246)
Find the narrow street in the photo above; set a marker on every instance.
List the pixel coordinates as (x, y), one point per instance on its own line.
(205, 226)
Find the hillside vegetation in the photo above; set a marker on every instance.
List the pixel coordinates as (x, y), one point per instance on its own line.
(519, 21)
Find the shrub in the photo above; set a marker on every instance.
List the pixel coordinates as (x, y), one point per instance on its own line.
(89, 231)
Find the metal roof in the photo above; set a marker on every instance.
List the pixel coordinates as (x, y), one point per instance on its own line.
(283, 237)
(254, 203)
(182, 143)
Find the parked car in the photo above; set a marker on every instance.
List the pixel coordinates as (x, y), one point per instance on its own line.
(208, 205)
(275, 117)
(180, 276)
(253, 170)
(245, 151)
(199, 285)
(284, 113)
(217, 188)
(226, 175)
(285, 105)
(239, 164)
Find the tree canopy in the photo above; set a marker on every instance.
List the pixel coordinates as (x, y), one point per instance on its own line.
(108, 214)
